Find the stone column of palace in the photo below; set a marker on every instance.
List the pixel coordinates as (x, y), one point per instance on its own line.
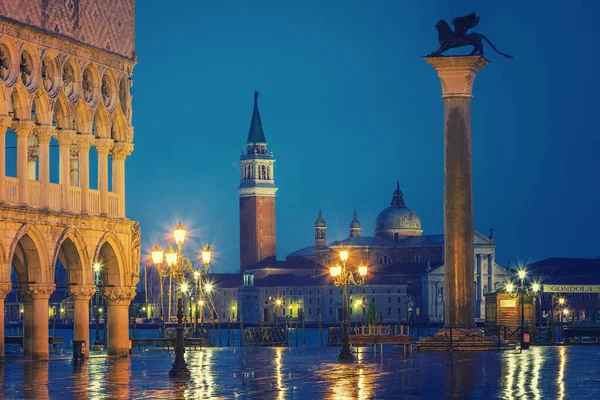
(22, 130)
(65, 139)
(37, 295)
(4, 290)
(5, 123)
(457, 75)
(74, 164)
(32, 157)
(117, 309)
(44, 133)
(81, 310)
(84, 142)
(103, 147)
(119, 153)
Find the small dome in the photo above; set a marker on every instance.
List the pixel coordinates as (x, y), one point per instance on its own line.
(320, 222)
(397, 219)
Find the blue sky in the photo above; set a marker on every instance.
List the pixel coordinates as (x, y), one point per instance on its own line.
(349, 107)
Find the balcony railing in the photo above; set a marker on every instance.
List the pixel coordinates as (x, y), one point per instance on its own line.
(55, 197)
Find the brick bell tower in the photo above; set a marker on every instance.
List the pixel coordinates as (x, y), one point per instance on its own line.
(257, 197)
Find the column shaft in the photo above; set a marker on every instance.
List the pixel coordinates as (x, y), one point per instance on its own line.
(103, 147)
(22, 130)
(457, 75)
(40, 328)
(65, 138)
(28, 327)
(490, 272)
(84, 142)
(81, 295)
(44, 133)
(118, 330)
(74, 165)
(119, 153)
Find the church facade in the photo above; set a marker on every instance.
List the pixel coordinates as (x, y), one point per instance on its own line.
(406, 272)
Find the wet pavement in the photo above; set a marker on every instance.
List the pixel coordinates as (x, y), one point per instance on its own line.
(312, 373)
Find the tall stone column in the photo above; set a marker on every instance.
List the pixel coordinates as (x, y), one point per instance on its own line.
(33, 152)
(119, 153)
(4, 290)
(22, 129)
(5, 122)
(117, 304)
(103, 147)
(74, 165)
(65, 139)
(44, 133)
(479, 293)
(84, 142)
(38, 295)
(81, 310)
(457, 75)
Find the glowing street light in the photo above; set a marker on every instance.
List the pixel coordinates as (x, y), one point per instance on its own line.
(278, 302)
(510, 287)
(561, 301)
(208, 287)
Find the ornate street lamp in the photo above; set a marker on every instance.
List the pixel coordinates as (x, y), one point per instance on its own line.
(97, 339)
(178, 266)
(342, 277)
(522, 290)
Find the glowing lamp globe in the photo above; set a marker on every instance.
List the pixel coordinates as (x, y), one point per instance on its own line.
(535, 287)
(344, 255)
(179, 234)
(561, 300)
(566, 311)
(171, 256)
(206, 255)
(208, 287)
(335, 271)
(184, 287)
(201, 302)
(510, 287)
(278, 302)
(157, 255)
(362, 270)
(196, 275)
(522, 274)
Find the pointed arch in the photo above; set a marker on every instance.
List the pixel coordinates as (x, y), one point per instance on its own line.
(30, 248)
(4, 265)
(72, 252)
(21, 103)
(111, 256)
(102, 123)
(43, 108)
(83, 117)
(119, 127)
(4, 100)
(63, 115)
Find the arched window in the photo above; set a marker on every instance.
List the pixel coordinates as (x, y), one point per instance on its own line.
(385, 260)
(417, 259)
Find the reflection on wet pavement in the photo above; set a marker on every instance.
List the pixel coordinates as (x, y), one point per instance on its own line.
(282, 373)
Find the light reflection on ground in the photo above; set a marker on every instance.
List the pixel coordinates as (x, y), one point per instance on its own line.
(282, 373)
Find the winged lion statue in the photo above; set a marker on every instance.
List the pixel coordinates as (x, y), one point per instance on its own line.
(450, 39)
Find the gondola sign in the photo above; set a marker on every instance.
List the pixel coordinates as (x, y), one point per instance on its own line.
(549, 288)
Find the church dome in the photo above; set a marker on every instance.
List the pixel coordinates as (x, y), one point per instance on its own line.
(397, 221)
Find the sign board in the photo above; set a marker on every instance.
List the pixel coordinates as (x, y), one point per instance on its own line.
(508, 303)
(550, 288)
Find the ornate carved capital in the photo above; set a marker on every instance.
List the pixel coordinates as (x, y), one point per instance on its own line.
(5, 289)
(84, 141)
(118, 296)
(82, 292)
(65, 136)
(457, 73)
(103, 145)
(22, 128)
(44, 133)
(37, 291)
(121, 150)
(5, 122)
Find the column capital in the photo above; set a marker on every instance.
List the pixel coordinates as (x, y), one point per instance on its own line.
(120, 150)
(44, 133)
(84, 141)
(103, 145)
(118, 296)
(65, 136)
(457, 73)
(82, 292)
(5, 122)
(5, 288)
(39, 291)
(22, 128)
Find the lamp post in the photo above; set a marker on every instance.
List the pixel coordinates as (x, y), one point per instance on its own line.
(163, 272)
(178, 266)
(342, 277)
(278, 303)
(97, 340)
(522, 290)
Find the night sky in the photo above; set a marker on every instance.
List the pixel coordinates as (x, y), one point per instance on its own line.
(349, 106)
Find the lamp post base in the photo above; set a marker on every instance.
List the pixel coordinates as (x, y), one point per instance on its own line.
(345, 355)
(179, 368)
(179, 371)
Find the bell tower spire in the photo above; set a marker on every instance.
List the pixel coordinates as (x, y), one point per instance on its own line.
(257, 196)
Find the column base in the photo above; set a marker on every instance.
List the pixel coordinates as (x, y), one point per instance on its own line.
(120, 352)
(40, 356)
(179, 370)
